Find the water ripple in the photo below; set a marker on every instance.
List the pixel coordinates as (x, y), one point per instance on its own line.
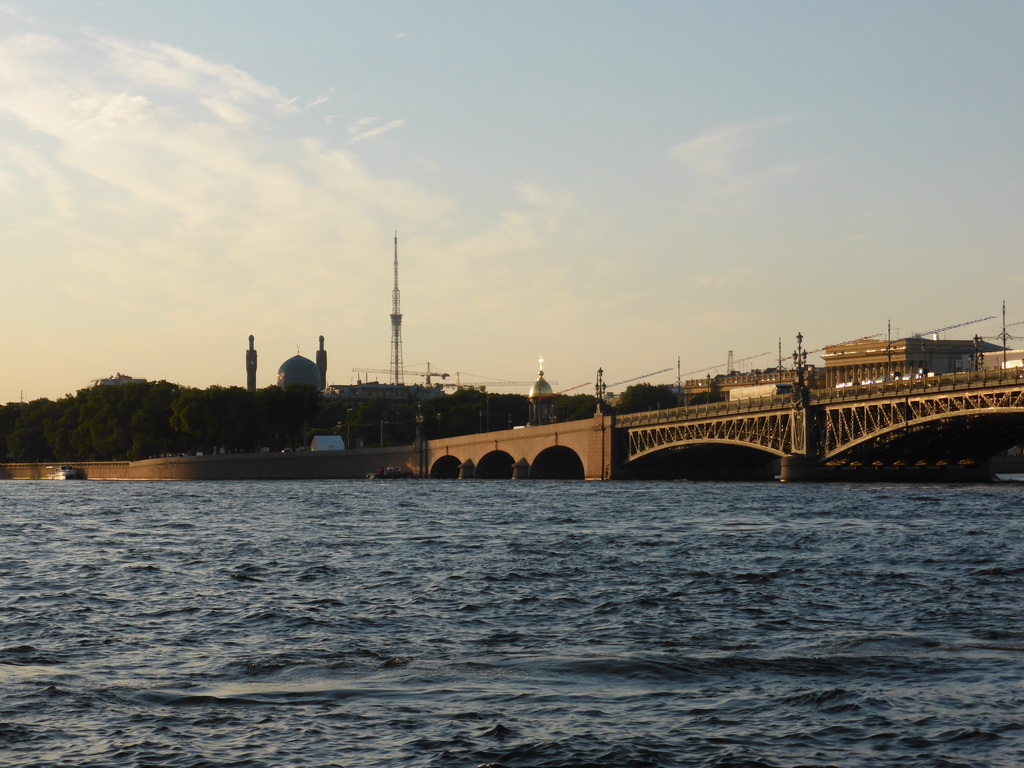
(510, 624)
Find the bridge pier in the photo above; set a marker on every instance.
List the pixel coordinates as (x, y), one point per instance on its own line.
(796, 468)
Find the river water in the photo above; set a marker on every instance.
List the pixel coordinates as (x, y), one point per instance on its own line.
(542, 624)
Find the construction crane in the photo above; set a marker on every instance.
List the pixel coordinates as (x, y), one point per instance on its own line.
(489, 382)
(957, 325)
(710, 367)
(636, 378)
(844, 343)
(570, 389)
(563, 391)
(428, 373)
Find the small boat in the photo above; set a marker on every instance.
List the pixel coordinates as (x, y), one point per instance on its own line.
(65, 472)
(389, 473)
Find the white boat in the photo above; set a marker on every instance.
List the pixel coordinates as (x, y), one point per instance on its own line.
(65, 472)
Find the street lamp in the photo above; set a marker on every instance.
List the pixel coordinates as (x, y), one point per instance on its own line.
(800, 359)
(888, 352)
(420, 445)
(977, 357)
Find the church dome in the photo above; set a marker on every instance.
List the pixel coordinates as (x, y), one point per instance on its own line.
(298, 370)
(540, 387)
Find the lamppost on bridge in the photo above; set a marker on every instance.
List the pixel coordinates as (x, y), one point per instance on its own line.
(800, 461)
(599, 390)
(800, 360)
(888, 351)
(977, 357)
(421, 447)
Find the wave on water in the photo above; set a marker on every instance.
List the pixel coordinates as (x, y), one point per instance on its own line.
(525, 625)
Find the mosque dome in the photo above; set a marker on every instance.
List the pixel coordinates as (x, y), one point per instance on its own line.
(298, 370)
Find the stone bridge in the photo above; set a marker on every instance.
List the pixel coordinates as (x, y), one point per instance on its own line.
(583, 450)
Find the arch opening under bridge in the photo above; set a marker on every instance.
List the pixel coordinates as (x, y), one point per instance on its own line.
(704, 460)
(445, 468)
(496, 465)
(557, 463)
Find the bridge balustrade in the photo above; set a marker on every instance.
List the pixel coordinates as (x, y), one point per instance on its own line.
(943, 382)
(706, 410)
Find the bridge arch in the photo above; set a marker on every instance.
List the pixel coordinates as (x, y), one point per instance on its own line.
(445, 468)
(975, 433)
(557, 463)
(495, 465)
(705, 460)
(697, 442)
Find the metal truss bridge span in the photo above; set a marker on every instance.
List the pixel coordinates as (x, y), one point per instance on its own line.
(955, 420)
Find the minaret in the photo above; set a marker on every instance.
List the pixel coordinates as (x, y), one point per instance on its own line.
(250, 366)
(396, 326)
(321, 363)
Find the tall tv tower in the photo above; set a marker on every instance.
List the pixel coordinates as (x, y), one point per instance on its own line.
(396, 326)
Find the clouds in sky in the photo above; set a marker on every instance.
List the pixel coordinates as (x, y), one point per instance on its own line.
(179, 191)
(195, 183)
(728, 159)
(367, 128)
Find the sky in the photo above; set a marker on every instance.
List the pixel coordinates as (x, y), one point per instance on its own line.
(636, 187)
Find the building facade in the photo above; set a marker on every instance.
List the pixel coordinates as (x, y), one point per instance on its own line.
(876, 360)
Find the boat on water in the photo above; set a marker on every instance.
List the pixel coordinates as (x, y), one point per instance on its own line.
(65, 472)
(389, 473)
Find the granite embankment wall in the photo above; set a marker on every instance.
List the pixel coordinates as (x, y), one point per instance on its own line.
(309, 465)
(304, 465)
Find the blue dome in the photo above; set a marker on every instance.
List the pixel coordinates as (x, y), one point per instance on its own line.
(298, 370)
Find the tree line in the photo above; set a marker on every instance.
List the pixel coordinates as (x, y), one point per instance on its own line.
(150, 419)
(144, 420)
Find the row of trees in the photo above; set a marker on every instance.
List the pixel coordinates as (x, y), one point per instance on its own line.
(136, 421)
(465, 411)
(143, 420)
